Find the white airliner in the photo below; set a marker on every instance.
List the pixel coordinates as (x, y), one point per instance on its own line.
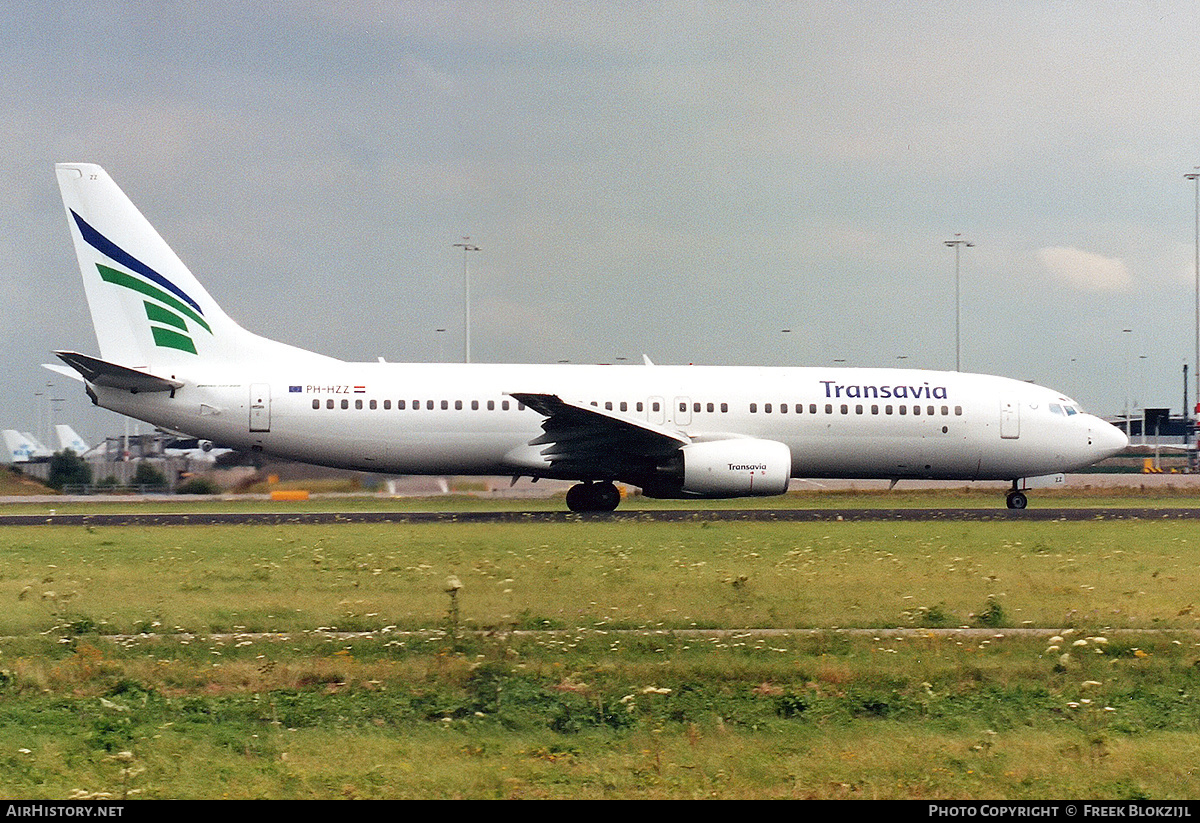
(198, 451)
(170, 356)
(23, 447)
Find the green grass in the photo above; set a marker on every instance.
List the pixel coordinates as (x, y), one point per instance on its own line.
(200, 662)
(627, 574)
(590, 716)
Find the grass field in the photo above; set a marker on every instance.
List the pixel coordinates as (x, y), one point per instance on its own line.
(331, 661)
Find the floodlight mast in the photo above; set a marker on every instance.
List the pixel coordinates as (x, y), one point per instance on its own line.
(1193, 455)
(957, 243)
(466, 246)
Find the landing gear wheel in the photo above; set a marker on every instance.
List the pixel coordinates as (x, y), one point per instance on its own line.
(577, 497)
(593, 497)
(606, 497)
(1017, 500)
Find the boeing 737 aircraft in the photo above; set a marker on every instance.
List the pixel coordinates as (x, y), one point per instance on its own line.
(170, 356)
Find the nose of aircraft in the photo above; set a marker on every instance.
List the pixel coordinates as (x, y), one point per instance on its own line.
(1107, 439)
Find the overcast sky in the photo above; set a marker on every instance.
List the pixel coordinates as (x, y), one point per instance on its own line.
(684, 180)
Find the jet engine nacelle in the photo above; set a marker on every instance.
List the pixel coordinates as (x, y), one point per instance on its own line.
(743, 467)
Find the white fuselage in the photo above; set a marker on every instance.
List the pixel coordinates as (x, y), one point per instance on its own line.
(461, 419)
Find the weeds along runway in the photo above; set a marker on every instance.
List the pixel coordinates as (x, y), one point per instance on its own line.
(978, 515)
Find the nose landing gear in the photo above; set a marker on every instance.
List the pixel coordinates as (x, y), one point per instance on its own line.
(1016, 499)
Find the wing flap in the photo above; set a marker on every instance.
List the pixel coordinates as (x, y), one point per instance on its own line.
(588, 442)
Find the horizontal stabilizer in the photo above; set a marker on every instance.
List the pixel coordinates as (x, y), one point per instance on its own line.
(60, 369)
(102, 373)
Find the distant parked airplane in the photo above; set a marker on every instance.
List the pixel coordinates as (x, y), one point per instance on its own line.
(22, 447)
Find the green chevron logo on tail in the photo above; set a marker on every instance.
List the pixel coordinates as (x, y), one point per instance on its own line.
(172, 307)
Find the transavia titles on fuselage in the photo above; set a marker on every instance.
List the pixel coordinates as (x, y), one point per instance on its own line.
(170, 356)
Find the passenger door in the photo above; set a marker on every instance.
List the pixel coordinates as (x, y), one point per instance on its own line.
(260, 407)
(1010, 418)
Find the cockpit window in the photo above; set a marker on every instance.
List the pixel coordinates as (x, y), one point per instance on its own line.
(1057, 409)
(1071, 410)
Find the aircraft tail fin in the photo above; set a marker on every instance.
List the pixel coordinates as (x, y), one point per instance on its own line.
(149, 311)
(39, 449)
(68, 439)
(16, 448)
(22, 447)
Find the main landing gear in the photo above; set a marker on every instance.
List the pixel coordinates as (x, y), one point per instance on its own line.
(593, 497)
(1016, 499)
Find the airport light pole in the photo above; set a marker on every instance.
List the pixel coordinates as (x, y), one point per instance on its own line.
(466, 246)
(1128, 380)
(37, 410)
(957, 243)
(439, 336)
(1195, 178)
(55, 408)
(1141, 390)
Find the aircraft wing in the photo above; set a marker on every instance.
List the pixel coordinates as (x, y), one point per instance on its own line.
(583, 440)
